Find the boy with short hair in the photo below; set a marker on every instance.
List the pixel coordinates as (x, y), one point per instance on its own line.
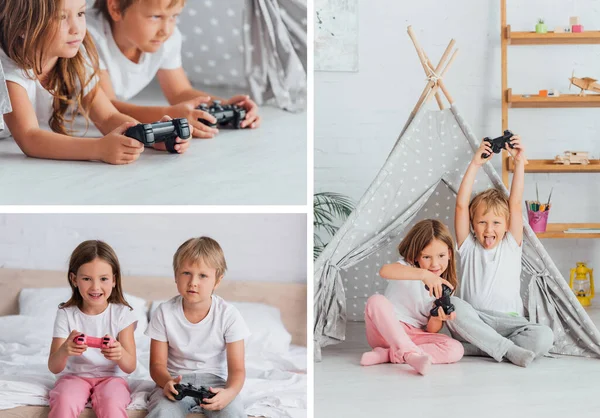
(197, 338)
(490, 261)
(138, 39)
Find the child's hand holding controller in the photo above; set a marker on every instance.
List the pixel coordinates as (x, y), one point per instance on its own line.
(70, 347)
(114, 351)
(434, 283)
(222, 398)
(169, 388)
(443, 317)
(116, 148)
(484, 148)
(518, 150)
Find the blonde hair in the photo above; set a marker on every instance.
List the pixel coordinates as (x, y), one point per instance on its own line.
(86, 252)
(492, 199)
(420, 236)
(202, 248)
(26, 29)
(102, 6)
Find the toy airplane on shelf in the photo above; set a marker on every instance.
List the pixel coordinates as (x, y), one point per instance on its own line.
(585, 83)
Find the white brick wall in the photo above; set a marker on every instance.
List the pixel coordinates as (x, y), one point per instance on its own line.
(258, 247)
(358, 116)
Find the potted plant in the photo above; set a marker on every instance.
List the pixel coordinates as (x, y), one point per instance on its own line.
(541, 26)
(330, 209)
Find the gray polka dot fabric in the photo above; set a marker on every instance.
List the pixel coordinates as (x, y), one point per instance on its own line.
(4, 100)
(259, 46)
(420, 180)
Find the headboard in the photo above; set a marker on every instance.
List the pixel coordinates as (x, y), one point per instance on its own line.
(290, 298)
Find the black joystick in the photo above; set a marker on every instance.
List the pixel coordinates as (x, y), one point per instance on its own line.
(497, 144)
(189, 390)
(167, 132)
(226, 115)
(443, 301)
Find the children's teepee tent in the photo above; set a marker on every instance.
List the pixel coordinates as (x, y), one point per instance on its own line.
(419, 180)
(4, 101)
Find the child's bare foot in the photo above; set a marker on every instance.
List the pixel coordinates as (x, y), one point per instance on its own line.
(419, 362)
(377, 356)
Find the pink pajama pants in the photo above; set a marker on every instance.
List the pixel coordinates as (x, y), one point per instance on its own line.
(384, 330)
(110, 396)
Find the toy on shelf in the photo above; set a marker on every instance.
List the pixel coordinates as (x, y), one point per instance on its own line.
(582, 283)
(573, 157)
(575, 24)
(585, 83)
(541, 26)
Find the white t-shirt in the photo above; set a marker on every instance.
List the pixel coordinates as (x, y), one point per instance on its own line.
(411, 300)
(92, 363)
(201, 347)
(40, 98)
(127, 77)
(491, 279)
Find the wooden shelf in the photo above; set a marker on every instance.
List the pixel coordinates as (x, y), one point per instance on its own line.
(548, 166)
(551, 38)
(564, 100)
(557, 231)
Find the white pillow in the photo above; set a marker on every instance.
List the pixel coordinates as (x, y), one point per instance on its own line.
(44, 301)
(268, 334)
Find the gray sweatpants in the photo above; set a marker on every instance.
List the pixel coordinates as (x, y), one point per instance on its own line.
(492, 333)
(159, 406)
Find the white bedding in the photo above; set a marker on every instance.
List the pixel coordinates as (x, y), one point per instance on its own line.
(276, 384)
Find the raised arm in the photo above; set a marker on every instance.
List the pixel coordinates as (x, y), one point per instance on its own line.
(461, 213)
(515, 199)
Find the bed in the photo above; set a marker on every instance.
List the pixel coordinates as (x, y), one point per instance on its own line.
(276, 380)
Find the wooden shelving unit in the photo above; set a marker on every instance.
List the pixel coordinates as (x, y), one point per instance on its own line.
(516, 101)
(558, 231)
(551, 38)
(564, 100)
(548, 166)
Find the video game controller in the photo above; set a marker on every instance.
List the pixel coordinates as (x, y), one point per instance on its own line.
(497, 144)
(443, 301)
(167, 132)
(226, 115)
(189, 390)
(93, 342)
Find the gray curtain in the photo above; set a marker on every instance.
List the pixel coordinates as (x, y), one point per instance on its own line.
(419, 180)
(4, 101)
(275, 52)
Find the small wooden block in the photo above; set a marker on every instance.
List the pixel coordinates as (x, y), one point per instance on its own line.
(577, 28)
(559, 29)
(574, 20)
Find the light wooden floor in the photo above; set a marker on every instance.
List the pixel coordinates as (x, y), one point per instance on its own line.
(562, 387)
(265, 166)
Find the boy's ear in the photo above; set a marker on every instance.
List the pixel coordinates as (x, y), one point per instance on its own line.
(114, 9)
(218, 282)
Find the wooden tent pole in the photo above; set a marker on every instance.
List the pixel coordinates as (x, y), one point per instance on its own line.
(423, 59)
(427, 66)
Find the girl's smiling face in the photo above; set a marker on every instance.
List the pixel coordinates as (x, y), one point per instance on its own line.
(95, 281)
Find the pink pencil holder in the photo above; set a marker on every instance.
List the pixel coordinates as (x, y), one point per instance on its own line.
(538, 220)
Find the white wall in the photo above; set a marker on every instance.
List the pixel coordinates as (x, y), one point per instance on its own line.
(259, 247)
(358, 116)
